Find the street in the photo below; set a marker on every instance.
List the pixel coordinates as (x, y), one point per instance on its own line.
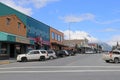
(79, 67)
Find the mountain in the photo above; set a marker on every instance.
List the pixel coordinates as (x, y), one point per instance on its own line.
(105, 46)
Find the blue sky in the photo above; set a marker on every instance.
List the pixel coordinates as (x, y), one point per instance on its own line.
(92, 19)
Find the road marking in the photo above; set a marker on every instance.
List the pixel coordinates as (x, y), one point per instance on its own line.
(55, 67)
(60, 71)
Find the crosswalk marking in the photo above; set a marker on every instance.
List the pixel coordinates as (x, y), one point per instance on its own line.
(60, 71)
(55, 67)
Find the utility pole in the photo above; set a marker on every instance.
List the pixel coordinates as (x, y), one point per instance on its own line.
(69, 32)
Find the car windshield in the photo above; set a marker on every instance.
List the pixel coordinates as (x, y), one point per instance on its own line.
(43, 52)
(50, 52)
(116, 52)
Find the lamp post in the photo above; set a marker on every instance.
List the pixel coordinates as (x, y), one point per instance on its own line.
(69, 30)
(69, 33)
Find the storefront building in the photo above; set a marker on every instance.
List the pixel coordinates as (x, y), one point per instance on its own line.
(39, 32)
(35, 29)
(34, 35)
(56, 39)
(13, 40)
(75, 43)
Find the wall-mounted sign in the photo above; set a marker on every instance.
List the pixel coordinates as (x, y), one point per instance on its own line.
(22, 40)
(46, 42)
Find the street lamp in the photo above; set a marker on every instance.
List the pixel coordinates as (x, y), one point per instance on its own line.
(69, 30)
(69, 33)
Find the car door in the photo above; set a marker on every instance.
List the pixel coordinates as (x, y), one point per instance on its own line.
(119, 55)
(33, 55)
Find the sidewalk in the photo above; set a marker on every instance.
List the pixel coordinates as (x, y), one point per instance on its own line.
(7, 61)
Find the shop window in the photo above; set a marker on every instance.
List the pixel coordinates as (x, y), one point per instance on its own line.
(8, 21)
(3, 49)
(3, 52)
(59, 38)
(53, 35)
(18, 49)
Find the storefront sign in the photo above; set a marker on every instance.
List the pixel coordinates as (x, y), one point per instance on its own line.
(46, 42)
(22, 40)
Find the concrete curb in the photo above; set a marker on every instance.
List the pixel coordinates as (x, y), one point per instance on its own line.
(4, 62)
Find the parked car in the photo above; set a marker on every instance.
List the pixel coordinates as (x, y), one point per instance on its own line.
(113, 56)
(33, 55)
(51, 54)
(89, 51)
(71, 52)
(62, 53)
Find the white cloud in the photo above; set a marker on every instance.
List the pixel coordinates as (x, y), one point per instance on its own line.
(12, 4)
(36, 3)
(88, 17)
(108, 22)
(83, 17)
(42, 3)
(114, 40)
(78, 35)
(110, 30)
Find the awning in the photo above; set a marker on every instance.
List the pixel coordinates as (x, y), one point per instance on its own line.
(55, 43)
(15, 38)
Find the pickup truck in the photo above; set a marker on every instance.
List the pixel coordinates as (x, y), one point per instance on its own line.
(112, 56)
(33, 55)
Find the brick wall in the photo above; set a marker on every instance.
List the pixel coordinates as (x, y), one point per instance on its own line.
(12, 27)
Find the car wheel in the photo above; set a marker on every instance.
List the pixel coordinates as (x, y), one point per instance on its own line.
(42, 58)
(24, 59)
(107, 61)
(116, 60)
(51, 57)
(63, 55)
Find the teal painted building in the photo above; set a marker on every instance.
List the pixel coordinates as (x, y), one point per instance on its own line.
(37, 32)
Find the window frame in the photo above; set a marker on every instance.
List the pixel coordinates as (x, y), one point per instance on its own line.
(53, 35)
(8, 20)
(19, 25)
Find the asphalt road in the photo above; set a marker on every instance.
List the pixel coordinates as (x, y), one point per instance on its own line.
(79, 67)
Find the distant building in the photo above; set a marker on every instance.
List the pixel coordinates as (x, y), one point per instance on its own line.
(96, 47)
(93, 45)
(56, 39)
(76, 42)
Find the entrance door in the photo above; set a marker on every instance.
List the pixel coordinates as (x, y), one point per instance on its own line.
(12, 51)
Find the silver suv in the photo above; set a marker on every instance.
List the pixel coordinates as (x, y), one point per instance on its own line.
(51, 54)
(113, 56)
(33, 55)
